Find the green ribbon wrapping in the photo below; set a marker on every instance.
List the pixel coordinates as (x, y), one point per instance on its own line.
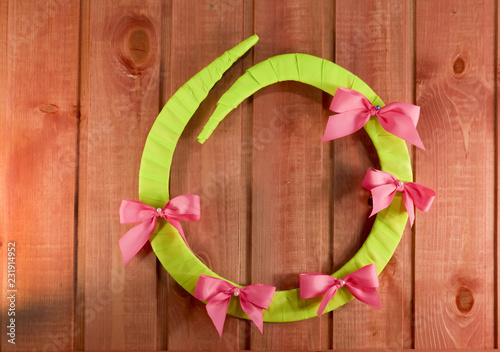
(175, 256)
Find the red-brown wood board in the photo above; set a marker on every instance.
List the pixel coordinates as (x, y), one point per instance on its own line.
(81, 83)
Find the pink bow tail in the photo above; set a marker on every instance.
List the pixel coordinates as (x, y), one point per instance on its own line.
(383, 187)
(418, 195)
(361, 284)
(354, 111)
(132, 242)
(400, 119)
(185, 207)
(253, 299)
(345, 123)
(312, 285)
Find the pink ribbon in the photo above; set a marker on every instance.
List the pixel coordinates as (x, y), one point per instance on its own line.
(185, 207)
(355, 110)
(383, 187)
(362, 284)
(253, 299)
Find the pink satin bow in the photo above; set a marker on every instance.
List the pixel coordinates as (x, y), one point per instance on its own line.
(185, 207)
(355, 110)
(362, 284)
(253, 299)
(383, 187)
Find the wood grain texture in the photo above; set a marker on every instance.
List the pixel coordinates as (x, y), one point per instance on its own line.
(276, 202)
(164, 88)
(374, 40)
(290, 168)
(4, 147)
(454, 255)
(119, 97)
(200, 32)
(39, 122)
(496, 185)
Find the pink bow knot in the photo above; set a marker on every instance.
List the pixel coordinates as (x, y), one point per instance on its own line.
(253, 299)
(185, 207)
(374, 110)
(361, 284)
(354, 111)
(384, 186)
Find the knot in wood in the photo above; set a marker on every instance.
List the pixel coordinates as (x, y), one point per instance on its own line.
(49, 108)
(459, 67)
(138, 45)
(464, 300)
(135, 41)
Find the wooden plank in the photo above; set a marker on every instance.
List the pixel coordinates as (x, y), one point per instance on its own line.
(162, 275)
(4, 15)
(119, 97)
(454, 258)
(497, 205)
(290, 168)
(374, 40)
(200, 32)
(371, 350)
(39, 123)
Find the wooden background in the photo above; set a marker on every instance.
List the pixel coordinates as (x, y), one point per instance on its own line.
(81, 83)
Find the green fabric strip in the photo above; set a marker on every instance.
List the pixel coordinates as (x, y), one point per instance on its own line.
(154, 174)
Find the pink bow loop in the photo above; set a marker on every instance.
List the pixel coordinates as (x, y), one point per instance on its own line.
(354, 111)
(384, 186)
(132, 211)
(184, 207)
(253, 299)
(361, 284)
